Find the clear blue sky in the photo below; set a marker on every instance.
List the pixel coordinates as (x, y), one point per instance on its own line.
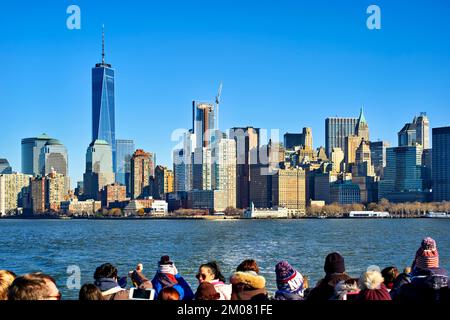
(284, 65)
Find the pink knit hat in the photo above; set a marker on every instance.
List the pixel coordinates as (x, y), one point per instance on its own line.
(427, 255)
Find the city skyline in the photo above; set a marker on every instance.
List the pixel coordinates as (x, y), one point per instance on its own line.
(154, 135)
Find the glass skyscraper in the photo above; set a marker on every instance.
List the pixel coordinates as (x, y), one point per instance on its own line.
(441, 164)
(103, 103)
(336, 130)
(124, 152)
(31, 151)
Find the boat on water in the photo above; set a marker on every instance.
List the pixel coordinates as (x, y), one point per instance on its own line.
(432, 214)
(368, 214)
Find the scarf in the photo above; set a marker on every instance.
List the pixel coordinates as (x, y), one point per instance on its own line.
(107, 286)
(166, 275)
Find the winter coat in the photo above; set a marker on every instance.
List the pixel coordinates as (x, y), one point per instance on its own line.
(324, 289)
(374, 294)
(402, 278)
(283, 295)
(183, 288)
(111, 290)
(426, 285)
(248, 285)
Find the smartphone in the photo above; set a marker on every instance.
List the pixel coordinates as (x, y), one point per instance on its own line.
(142, 294)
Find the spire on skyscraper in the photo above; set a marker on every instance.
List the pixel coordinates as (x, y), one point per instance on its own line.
(103, 44)
(362, 119)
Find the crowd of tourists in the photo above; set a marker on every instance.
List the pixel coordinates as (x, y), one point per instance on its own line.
(425, 280)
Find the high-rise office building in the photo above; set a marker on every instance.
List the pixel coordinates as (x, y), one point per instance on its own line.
(363, 161)
(224, 173)
(5, 168)
(99, 169)
(291, 140)
(13, 192)
(141, 167)
(164, 182)
(103, 103)
(336, 130)
(204, 123)
(124, 152)
(337, 159)
(247, 147)
(31, 152)
(53, 157)
(402, 174)
(441, 164)
(418, 131)
(288, 190)
(307, 138)
(378, 155)
(179, 171)
(344, 192)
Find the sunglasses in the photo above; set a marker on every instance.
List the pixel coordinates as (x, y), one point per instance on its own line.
(198, 276)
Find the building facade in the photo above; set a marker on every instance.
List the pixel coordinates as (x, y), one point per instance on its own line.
(31, 154)
(288, 191)
(14, 189)
(5, 168)
(336, 130)
(124, 152)
(141, 171)
(441, 164)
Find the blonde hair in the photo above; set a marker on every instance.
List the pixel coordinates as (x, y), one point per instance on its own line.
(6, 278)
(371, 280)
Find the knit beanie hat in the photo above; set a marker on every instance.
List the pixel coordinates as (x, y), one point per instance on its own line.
(334, 263)
(427, 255)
(288, 279)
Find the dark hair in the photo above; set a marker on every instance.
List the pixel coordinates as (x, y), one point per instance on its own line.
(169, 293)
(106, 270)
(215, 270)
(248, 265)
(389, 274)
(206, 291)
(90, 292)
(32, 286)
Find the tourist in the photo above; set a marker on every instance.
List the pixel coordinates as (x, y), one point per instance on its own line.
(334, 272)
(138, 278)
(210, 272)
(290, 282)
(169, 293)
(106, 280)
(6, 278)
(346, 290)
(400, 280)
(389, 275)
(34, 286)
(90, 292)
(247, 284)
(372, 286)
(429, 282)
(168, 276)
(206, 291)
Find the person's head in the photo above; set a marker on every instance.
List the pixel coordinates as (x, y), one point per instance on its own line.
(248, 265)
(206, 291)
(139, 267)
(208, 272)
(106, 270)
(427, 255)
(165, 260)
(370, 280)
(34, 286)
(334, 263)
(288, 278)
(344, 288)
(169, 293)
(6, 278)
(389, 274)
(90, 292)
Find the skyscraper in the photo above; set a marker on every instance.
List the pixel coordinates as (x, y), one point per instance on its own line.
(13, 191)
(31, 151)
(5, 168)
(224, 173)
(247, 147)
(336, 130)
(53, 157)
(99, 168)
(378, 155)
(163, 182)
(417, 131)
(441, 164)
(204, 121)
(141, 167)
(124, 152)
(103, 103)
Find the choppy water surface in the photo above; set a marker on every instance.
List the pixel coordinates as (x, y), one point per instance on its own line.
(52, 245)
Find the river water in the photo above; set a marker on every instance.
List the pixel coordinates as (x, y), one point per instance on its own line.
(51, 246)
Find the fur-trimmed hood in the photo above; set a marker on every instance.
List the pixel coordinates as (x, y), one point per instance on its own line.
(249, 278)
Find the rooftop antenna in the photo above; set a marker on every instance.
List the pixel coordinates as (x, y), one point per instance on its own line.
(217, 105)
(103, 44)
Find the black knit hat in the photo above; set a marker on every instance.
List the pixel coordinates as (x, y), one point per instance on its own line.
(334, 263)
(165, 260)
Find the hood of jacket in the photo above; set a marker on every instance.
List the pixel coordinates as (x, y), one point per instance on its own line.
(248, 278)
(434, 278)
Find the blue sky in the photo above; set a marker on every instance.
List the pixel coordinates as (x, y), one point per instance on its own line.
(284, 65)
